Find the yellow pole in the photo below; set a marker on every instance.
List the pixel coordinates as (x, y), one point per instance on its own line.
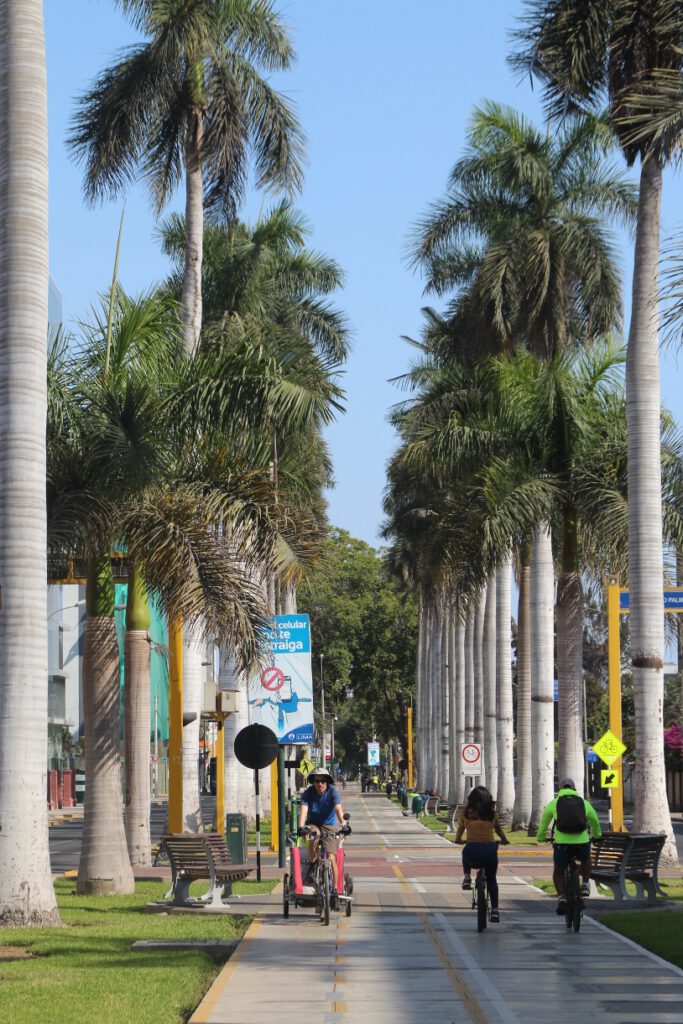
(614, 673)
(274, 816)
(175, 726)
(410, 748)
(220, 774)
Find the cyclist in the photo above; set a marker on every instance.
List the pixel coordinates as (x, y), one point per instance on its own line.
(480, 821)
(321, 806)
(575, 822)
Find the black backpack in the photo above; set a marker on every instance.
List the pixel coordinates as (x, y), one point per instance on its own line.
(571, 814)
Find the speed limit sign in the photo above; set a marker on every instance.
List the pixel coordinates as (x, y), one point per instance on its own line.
(470, 759)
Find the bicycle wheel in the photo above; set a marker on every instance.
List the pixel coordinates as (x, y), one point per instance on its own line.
(481, 904)
(576, 917)
(285, 896)
(325, 912)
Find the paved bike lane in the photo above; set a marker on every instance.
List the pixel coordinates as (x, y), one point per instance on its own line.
(411, 952)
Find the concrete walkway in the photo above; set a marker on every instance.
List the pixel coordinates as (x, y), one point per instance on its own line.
(411, 953)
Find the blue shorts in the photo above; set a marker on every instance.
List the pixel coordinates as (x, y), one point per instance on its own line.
(563, 851)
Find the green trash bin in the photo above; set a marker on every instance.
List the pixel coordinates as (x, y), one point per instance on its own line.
(80, 787)
(294, 808)
(236, 837)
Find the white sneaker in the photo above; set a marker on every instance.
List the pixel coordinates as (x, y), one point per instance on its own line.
(585, 889)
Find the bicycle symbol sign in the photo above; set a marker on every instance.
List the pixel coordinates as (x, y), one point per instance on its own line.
(609, 748)
(470, 759)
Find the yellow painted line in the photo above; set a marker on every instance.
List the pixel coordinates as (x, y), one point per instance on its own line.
(70, 874)
(338, 1007)
(473, 1008)
(204, 1012)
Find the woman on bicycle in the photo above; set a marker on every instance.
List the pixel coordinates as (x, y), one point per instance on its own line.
(321, 806)
(480, 821)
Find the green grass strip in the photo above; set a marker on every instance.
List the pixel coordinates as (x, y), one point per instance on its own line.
(87, 971)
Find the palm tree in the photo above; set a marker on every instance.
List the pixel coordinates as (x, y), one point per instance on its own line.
(26, 891)
(582, 54)
(125, 467)
(192, 100)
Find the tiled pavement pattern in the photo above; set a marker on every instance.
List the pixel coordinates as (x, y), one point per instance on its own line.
(411, 953)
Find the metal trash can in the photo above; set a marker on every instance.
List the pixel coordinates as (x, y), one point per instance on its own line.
(80, 787)
(236, 837)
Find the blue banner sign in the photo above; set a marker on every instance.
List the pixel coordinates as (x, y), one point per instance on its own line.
(281, 695)
(673, 600)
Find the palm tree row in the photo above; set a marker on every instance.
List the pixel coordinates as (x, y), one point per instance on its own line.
(194, 445)
(517, 452)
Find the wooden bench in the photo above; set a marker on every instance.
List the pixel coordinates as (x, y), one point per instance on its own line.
(618, 857)
(197, 856)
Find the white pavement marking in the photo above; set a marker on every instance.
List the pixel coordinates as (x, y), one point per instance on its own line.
(416, 885)
(486, 985)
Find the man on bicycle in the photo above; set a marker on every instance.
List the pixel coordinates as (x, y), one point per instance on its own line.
(321, 806)
(575, 822)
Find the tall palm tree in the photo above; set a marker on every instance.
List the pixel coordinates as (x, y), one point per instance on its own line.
(583, 54)
(26, 891)
(192, 101)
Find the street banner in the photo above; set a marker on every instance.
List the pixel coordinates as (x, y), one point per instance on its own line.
(373, 754)
(281, 695)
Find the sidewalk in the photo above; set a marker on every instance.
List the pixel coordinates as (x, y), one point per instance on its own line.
(411, 952)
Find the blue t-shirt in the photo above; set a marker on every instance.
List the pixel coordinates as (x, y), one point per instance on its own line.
(321, 808)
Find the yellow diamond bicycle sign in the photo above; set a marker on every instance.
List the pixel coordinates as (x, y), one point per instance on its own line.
(609, 748)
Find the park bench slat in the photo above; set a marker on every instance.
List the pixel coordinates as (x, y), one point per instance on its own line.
(194, 857)
(618, 857)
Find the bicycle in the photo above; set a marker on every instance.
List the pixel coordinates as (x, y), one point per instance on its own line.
(572, 892)
(480, 899)
(318, 890)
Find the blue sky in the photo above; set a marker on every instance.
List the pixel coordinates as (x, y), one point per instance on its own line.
(384, 90)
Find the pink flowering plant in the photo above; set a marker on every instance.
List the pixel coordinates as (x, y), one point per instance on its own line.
(673, 744)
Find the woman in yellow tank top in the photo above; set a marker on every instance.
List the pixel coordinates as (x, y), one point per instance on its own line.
(480, 821)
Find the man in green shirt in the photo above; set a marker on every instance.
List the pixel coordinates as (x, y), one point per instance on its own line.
(575, 822)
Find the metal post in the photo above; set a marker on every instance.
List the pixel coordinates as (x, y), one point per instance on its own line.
(322, 707)
(282, 809)
(410, 747)
(220, 775)
(614, 668)
(175, 726)
(258, 826)
(156, 747)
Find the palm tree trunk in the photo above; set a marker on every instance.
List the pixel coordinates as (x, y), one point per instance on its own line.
(136, 722)
(460, 704)
(191, 304)
(238, 780)
(453, 711)
(193, 687)
(569, 613)
(646, 577)
(505, 723)
(104, 867)
(522, 810)
(489, 655)
(419, 688)
(445, 705)
(542, 672)
(434, 696)
(26, 890)
(469, 686)
(478, 644)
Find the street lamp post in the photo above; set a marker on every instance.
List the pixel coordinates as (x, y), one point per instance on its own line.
(322, 708)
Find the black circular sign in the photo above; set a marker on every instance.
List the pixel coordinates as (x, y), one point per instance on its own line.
(256, 746)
